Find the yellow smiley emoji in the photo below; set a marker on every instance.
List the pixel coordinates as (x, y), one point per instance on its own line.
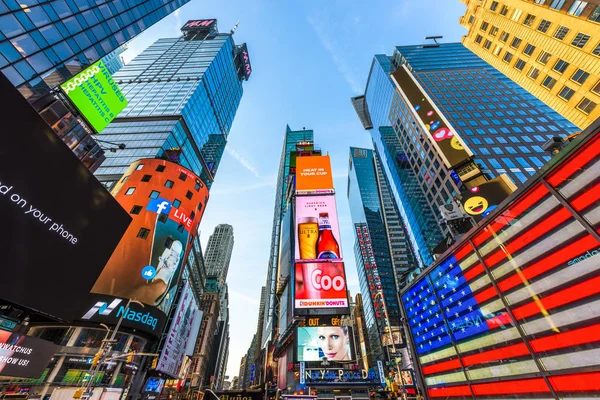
(476, 205)
(456, 144)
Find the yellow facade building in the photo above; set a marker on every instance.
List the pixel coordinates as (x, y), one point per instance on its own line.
(549, 47)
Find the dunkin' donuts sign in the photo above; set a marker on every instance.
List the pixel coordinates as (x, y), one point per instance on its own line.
(320, 285)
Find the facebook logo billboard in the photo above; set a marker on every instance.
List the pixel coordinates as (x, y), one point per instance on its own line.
(159, 206)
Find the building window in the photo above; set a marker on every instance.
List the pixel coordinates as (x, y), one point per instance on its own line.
(484, 26)
(560, 66)
(125, 179)
(192, 215)
(529, 20)
(549, 82)
(494, 6)
(197, 186)
(189, 195)
(471, 19)
(596, 89)
(577, 7)
(540, 2)
(146, 178)
(516, 14)
(160, 168)
(580, 40)
(143, 233)
(561, 32)
(566, 93)
(135, 210)
(507, 57)
(493, 31)
(497, 50)
(544, 57)
(182, 176)
(544, 25)
(504, 10)
(586, 105)
(595, 15)
(504, 37)
(154, 194)
(176, 203)
(596, 51)
(520, 64)
(529, 49)
(487, 44)
(516, 42)
(169, 183)
(139, 167)
(533, 73)
(557, 4)
(580, 76)
(478, 39)
(130, 191)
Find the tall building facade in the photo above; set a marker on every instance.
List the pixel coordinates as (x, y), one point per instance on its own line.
(551, 48)
(504, 127)
(43, 45)
(183, 95)
(290, 144)
(218, 252)
(383, 257)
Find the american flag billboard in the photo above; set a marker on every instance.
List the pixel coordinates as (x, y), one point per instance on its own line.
(514, 311)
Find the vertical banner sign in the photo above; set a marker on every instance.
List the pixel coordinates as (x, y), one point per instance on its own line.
(381, 373)
(318, 232)
(313, 175)
(302, 373)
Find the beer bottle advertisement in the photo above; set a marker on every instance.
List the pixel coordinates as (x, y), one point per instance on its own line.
(318, 234)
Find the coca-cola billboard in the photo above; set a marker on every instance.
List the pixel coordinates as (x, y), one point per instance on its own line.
(320, 286)
(318, 233)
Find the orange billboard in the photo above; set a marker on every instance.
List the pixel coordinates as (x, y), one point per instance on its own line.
(313, 175)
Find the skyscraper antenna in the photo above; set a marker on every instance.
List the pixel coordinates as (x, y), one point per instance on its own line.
(234, 27)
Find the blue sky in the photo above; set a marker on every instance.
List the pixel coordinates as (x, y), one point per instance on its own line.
(308, 58)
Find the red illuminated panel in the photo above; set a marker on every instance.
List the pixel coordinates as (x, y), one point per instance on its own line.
(473, 272)
(441, 366)
(575, 163)
(557, 299)
(588, 198)
(450, 392)
(589, 382)
(573, 338)
(537, 385)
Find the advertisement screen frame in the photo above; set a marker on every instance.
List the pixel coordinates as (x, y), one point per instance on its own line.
(353, 355)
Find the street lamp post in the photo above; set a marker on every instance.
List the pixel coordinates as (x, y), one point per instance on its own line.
(105, 349)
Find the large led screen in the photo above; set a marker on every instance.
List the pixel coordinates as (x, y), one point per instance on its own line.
(96, 95)
(317, 230)
(333, 343)
(531, 272)
(24, 356)
(481, 200)
(59, 224)
(320, 285)
(447, 142)
(313, 175)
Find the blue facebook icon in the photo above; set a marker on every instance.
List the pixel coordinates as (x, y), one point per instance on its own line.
(159, 205)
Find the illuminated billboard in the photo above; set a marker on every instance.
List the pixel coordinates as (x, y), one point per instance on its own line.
(24, 356)
(317, 230)
(320, 285)
(333, 343)
(174, 347)
(167, 203)
(448, 144)
(313, 175)
(532, 272)
(479, 201)
(96, 95)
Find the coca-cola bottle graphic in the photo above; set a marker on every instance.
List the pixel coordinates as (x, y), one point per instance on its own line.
(327, 246)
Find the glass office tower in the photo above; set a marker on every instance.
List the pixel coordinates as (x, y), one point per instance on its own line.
(502, 124)
(384, 258)
(43, 45)
(183, 94)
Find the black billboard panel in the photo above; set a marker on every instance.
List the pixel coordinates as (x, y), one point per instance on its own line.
(24, 356)
(59, 224)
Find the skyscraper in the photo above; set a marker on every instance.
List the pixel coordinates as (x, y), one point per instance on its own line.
(383, 257)
(43, 45)
(183, 95)
(550, 48)
(504, 127)
(218, 252)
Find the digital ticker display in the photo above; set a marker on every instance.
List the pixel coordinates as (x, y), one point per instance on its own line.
(532, 270)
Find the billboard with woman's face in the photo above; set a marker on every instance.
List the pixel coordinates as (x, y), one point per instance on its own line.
(333, 343)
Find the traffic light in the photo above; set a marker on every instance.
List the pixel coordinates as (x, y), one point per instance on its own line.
(154, 362)
(96, 359)
(129, 358)
(78, 393)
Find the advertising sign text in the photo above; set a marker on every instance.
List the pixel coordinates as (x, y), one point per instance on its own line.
(24, 356)
(96, 95)
(313, 175)
(320, 285)
(317, 230)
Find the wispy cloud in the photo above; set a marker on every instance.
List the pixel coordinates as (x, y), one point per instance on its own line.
(333, 49)
(242, 160)
(243, 296)
(178, 24)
